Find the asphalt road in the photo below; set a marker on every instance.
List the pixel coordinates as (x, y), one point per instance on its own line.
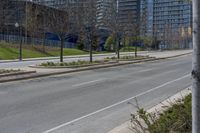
(89, 102)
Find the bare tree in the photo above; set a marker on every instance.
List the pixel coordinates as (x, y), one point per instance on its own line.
(36, 22)
(135, 28)
(132, 30)
(112, 22)
(87, 24)
(196, 68)
(60, 23)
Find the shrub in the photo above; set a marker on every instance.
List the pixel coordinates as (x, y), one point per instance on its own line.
(80, 46)
(73, 63)
(2, 71)
(176, 119)
(109, 44)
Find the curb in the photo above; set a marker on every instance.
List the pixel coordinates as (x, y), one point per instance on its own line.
(126, 127)
(16, 73)
(87, 68)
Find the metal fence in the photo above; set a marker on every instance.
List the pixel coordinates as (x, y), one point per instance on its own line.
(34, 41)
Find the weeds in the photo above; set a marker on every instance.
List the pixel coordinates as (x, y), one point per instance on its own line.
(176, 119)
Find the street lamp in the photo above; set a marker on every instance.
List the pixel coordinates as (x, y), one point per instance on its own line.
(20, 44)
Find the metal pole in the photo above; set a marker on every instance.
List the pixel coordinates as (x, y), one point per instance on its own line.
(20, 45)
(26, 34)
(196, 68)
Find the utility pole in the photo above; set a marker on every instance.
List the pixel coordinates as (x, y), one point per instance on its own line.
(20, 43)
(118, 36)
(196, 68)
(26, 32)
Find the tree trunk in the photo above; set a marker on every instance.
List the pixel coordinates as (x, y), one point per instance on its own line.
(91, 59)
(118, 45)
(136, 46)
(117, 42)
(196, 68)
(61, 49)
(43, 43)
(136, 51)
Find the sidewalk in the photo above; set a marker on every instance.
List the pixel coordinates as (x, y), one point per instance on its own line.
(157, 54)
(72, 56)
(164, 54)
(126, 127)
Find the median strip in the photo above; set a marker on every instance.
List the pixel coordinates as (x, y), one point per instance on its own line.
(79, 69)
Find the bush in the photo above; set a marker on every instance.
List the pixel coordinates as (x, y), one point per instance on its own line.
(176, 119)
(109, 44)
(3, 71)
(68, 64)
(80, 46)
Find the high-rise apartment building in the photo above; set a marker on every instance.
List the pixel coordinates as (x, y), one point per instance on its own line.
(104, 10)
(128, 9)
(172, 21)
(148, 12)
(51, 3)
(135, 11)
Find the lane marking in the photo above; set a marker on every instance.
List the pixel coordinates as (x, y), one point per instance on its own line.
(116, 104)
(86, 83)
(146, 70)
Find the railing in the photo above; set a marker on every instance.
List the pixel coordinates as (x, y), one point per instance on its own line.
(34, 41)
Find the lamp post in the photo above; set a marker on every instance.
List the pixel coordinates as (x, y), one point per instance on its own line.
(20, 44)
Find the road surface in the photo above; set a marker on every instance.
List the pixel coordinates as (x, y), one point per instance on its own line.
(89, 102)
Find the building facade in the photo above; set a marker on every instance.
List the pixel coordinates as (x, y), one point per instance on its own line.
(138, 12)
(128, 9)
(51, 3)
(172, 21)
(148, 11)
(104, 9)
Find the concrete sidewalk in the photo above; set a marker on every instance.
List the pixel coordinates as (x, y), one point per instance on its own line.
(164, 54)
(157, 54)
(126, 127)
(72, 56)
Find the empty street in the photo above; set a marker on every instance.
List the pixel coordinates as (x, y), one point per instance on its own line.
(94, 101)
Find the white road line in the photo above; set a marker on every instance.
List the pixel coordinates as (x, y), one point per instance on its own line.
(145, 70)
(86, 83)
(116, 104)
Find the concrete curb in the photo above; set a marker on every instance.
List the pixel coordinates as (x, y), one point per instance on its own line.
(87, 68)
(126, 127)
(16, 73)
